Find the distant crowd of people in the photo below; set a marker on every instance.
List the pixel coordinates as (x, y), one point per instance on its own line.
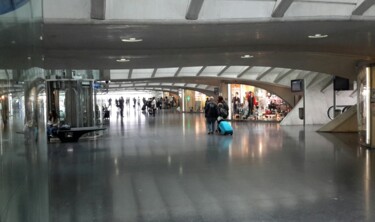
(151, 105)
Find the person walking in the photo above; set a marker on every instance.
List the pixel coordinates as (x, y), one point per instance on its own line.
(121, 106)
(153, 106)
(211, 115)
(236, 102)
(251, 101)
(222, 111)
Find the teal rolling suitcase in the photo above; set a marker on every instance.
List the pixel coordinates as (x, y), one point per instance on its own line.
(225, 128)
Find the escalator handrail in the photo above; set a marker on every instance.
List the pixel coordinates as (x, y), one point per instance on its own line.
(345, 108)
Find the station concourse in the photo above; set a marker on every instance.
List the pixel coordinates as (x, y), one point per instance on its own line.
(306, 154)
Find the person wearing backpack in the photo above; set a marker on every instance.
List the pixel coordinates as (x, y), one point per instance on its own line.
(211, 114)
(223, 108)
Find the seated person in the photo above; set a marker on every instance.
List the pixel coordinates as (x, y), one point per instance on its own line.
(52, 124)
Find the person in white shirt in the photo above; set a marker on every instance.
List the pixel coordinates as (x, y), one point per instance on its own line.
(153, 106)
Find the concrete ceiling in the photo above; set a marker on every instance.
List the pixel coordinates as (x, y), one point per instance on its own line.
(282, 44)
(276, 37)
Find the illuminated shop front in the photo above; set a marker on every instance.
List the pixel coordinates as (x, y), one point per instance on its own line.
(193, 101)
(268, 107)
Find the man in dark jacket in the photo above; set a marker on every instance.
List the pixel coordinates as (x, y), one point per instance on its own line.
(211, 115)
(251, 101)
(236, 103)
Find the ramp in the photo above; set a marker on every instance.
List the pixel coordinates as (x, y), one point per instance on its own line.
(345, 123)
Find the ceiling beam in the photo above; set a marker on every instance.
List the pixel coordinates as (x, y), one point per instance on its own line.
(264, 73)
(244, 72)
(163, 88)
(201, 70)
(281, 6)
(314, 80)
(178, 71)
(223, 70)
(98, 8)
(362, 6)
(303, 74)
(329, 81)
(281, 76)
(130, 73)
(153, 73)
(194, 9)
(353, 93)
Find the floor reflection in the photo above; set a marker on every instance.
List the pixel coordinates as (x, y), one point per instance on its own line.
(166, 168)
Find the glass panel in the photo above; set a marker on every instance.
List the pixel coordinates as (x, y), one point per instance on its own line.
(363, 107)
(166, 72)
(190, 71)
(62, 109)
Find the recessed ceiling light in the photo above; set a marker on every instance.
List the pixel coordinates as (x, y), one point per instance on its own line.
(13, 42)
(132, 40)
(317, 36)
(247, 56)
(122, 60)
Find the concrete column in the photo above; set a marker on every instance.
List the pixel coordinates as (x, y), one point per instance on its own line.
(182, 100)
(223, 91)
(105, 74)
(98, 9)
(226, 94)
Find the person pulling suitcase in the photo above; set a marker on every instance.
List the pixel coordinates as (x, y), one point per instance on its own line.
(223, 110)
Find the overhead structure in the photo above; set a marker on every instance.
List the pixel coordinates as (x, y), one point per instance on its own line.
(362, 6)
(263, 74)
(195, 7)
(98, 8)
(281, 7)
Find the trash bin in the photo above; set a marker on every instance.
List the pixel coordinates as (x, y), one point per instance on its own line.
(301, 113)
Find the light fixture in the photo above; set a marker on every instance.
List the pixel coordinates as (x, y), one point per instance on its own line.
(317, 36)
(132, 39)
(247, 56)
(122, 60)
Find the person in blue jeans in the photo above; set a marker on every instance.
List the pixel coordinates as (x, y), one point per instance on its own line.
(211, 115)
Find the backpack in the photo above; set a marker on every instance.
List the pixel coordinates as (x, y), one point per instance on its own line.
(222, 111)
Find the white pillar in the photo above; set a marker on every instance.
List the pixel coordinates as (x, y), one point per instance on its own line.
(229, 101)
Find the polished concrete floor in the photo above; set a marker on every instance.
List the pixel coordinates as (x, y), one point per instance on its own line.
(166, 168)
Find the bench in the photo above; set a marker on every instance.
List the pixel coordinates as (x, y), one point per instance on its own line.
(73, 134)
